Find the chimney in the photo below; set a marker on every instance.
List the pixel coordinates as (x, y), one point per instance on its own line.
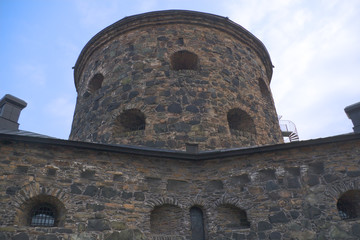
(10, 108)
(353, 112)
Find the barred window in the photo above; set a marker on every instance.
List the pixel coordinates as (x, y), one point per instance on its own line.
(44, 215)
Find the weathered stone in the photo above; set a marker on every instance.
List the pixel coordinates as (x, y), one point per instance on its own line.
(176, 185)
(275, 236)
(20, 236)
(214, 185)
(278, 218)
(87, 174)
(311, 212)
(293, 183)
(98, 225)
(47, 237)
(91, 191)
(263, 226)
(174, 108)
(75, 189)
(317, 167)
(355, 229)
(12, 190)
(271, 186)
(139, 196)
(108, 192)
(118, 225)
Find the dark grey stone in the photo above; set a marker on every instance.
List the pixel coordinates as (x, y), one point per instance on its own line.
(214, 185)
(118, 177)
(162, 38)
(47, 237)
(90, 191)
(355, 229)
(150, 100)
(294, 214)
(263, 226)
(95, 207)
(293, 183)
(12, 190)
(88, 174)
(182, 127)
(174, 108)
(353, 173)
(108, 192)
(241, 179)
(278, 218)
(192, 108)
(133, 94)
(160, 108)
(330, 178)
(20, 236)
(176, 185)
(317, 168)
(113, 106)
(51, 172)
(271, 185)
(295, 171)
(126, 87)
(267, 174)
(126, 195)
(311, 212)
(312, 180)
(275, 236)
(262, 235)
(160, 128)
(226, 72)
(74, 189)
(98, 225)
(139, 196)
(22, 169)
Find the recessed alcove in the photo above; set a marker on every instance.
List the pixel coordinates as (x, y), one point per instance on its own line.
(130, 120)
(348, 205)
(184, 60)
(95, 83)
(240, 121)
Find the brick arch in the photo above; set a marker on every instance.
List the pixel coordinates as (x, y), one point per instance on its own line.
(34, 194)
(334, 191)
(161, 201)
(230, 200)
(231, 216)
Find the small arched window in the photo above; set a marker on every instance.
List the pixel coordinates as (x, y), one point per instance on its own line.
(239, 120)
(197, 224)
(264, 90)
(95, 82)
(348, 205)
(131, 120)
(184, 60)
(43, 214)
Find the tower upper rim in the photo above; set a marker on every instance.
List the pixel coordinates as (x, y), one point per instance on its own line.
(170, 17)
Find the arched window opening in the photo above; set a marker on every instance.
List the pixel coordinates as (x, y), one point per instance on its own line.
(166, 219)
(348, 205)
(184, 60)
(44, 215)
(239, 120)
(95, 83)
(264, 90)
(232, 217)
(131, 120)
(197, 224)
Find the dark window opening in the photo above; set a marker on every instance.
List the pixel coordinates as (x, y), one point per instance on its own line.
(184, 60)
(44, 215)
(348, 205)
(197, 224)
(95, 83)
(264, 90)
(239, 120)
(131, 120)
(230, 216)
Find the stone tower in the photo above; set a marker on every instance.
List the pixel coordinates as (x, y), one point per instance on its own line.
(164, 79)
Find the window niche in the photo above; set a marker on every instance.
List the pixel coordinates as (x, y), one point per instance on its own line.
(131, 120)
(166, 220)
(230, 216)
(348, 205)
(95, 83)
(184, 60)
(42, 211)
(240, 121)
(265, 93)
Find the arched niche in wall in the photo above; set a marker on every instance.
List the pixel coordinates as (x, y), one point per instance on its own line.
(42, 210)
(129, 121)
(232, 217)
(166, 220)
(265, 93)
(240, 121)
(184, 60)
(348, 205)
(95, 83)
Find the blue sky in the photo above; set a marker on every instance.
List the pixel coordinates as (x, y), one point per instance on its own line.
(314, 46)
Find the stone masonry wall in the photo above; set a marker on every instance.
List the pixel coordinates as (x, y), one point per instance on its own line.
(179, 106)
(285, 194)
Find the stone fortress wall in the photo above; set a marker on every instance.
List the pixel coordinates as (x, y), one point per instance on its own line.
(167, 78)
(285, 193)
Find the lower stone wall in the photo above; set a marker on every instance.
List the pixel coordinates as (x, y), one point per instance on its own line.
(283, 194)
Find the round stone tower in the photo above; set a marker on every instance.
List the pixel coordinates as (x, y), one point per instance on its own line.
(164, 79)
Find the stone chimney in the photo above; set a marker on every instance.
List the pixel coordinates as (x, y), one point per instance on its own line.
(353, 112)
(10, 108)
